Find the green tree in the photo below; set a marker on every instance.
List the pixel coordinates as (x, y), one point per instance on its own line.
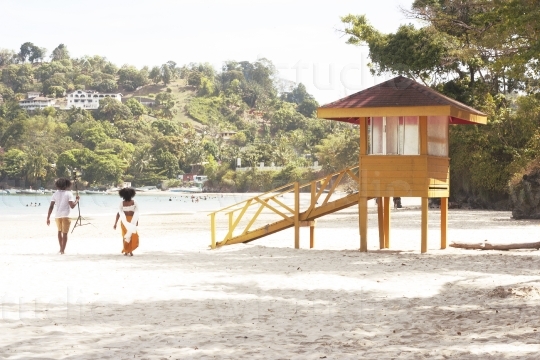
(7, 57)
(166, 74)
(167, 163)
(130, 78)
(26, 51)
(31, 52)
(166, 127)
(54, 82)
(136, 108)
(286, 118)
(155, 75)
(19, 77)
(166, 102)
(415, 53)
(60, 53)
(92, 137)
(106, 168)
(308, 107)
(56, 91)
(108, 86)
(339, 150)
(14, 163)
(297, 95)
(112, 110)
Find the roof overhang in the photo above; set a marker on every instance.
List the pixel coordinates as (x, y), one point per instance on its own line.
(351, 115)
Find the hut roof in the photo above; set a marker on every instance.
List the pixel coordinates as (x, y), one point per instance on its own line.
(400, 97)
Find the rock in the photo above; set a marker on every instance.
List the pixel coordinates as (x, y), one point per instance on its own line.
(525, 194)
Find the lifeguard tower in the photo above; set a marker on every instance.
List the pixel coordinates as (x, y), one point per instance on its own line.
(403, 153)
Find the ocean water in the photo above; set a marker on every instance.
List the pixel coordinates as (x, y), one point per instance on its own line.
(150, 203)
(106, 205)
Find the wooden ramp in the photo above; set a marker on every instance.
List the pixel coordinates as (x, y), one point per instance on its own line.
(293, 205)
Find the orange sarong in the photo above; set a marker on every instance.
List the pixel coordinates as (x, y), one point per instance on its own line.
(134, 243)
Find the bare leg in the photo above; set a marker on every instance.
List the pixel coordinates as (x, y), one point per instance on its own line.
(60, 240)
(64, 242)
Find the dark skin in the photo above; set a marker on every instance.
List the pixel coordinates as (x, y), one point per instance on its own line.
(62, 237)
(128, 213)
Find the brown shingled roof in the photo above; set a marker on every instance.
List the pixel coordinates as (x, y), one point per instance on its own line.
(398, 92)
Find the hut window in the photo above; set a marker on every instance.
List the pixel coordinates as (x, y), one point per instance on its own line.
(377, 135)
(437, 134)
(394, 135)
(410, 141)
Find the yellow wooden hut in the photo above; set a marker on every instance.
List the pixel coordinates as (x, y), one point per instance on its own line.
(403, 147)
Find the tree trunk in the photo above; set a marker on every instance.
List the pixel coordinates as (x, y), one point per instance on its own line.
(487, 246)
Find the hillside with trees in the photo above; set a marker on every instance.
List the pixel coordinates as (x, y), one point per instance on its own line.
(484, 54)
(194, 106)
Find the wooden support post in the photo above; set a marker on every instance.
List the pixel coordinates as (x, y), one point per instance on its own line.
(386, 222)
(231, 225)
(362, 200)
(296, 215)
(213, 230)
(363, 221)
(423, 135)
(444, 221)
(424, 240)
(380, 215)
(312, 201)
(363, 125)
(312, 236)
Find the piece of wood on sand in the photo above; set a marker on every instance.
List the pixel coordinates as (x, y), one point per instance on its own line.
(487, 246)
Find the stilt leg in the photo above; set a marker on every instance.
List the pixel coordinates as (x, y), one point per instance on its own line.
(363, 217)
(312, 236)
(424, 225)
(213, 230)
(444, 221)
(380, 214)
(386, 223)
(296, 216)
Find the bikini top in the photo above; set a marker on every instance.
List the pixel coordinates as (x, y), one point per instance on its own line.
(129, 208)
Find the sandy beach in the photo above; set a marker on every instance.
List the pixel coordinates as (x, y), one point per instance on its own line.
(176, 299)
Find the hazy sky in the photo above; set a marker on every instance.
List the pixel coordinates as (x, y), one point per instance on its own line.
(300, 37)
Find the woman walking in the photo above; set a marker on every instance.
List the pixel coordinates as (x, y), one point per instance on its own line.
(128, 213)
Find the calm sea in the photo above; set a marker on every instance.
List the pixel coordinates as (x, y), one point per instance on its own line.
(105, 205)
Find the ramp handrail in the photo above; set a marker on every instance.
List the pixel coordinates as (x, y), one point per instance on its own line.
(290, 214)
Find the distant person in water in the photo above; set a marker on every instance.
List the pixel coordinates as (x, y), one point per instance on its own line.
(128, 213)
(64, 201)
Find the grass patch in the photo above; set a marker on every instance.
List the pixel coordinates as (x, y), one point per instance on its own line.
(180, 91)
(205, 110)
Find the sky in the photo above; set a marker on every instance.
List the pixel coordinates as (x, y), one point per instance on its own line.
(301, 38)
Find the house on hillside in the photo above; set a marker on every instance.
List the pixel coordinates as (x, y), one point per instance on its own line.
(187, 177)
(227, 134)
(143, 100)
(88, 99)
(34, 101)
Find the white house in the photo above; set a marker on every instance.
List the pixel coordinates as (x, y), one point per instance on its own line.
(34, 101)
(88, 99)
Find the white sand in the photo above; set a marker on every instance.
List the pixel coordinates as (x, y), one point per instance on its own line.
(175, 299)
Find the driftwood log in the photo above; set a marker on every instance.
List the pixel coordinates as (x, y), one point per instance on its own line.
(487, 246)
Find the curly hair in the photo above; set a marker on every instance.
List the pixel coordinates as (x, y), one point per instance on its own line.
(127, 193)
(62, 183)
